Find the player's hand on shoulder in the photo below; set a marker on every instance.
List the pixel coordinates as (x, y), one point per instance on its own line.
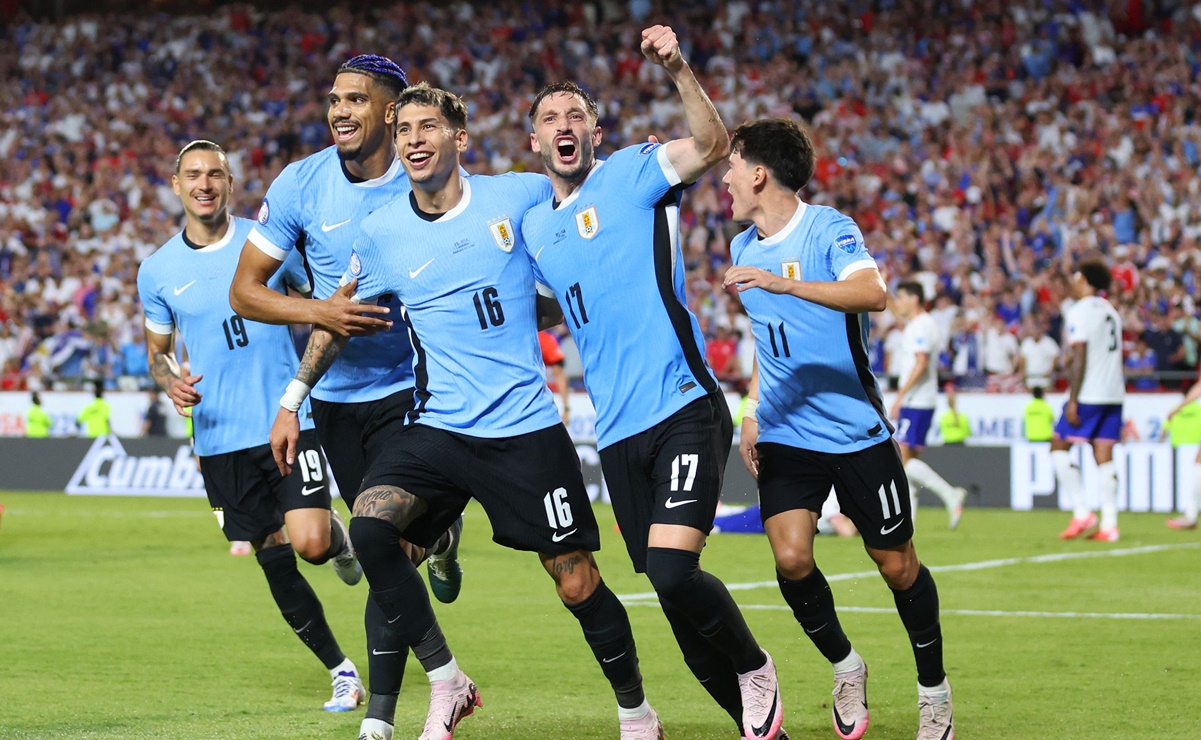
(746, 277)
(660, 45)
(342, 316)
(285, 434)
(183, 393)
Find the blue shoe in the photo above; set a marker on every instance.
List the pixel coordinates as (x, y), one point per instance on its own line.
(445, 573)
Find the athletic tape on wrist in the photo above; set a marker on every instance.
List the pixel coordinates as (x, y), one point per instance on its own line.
(294, 395)
(751, 410)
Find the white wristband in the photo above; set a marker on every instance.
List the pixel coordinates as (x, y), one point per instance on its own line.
(751, 410)
(294, 395)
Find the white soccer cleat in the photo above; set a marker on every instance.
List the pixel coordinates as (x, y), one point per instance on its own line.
(850, 703)
(935, 718)
(762, 713)
(450, 702)
(646, 727)
(348, 692)
(375, 729)
(955, 510)
(346, 565)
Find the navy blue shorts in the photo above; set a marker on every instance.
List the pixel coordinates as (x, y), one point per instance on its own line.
(1097, 421)
(913, 427)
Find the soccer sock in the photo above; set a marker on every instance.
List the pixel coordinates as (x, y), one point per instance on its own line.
(434, 655)
(1189, 505)
(1068, 477)
(395, 584)
(679, 581)
(386, 658)
(918, 607)
(812, 604)
(921, 474)
(442, 545)
(607, 631)
(711, 667)
(297, 602)
(1109, 495)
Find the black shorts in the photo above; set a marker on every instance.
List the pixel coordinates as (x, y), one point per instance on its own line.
(871, 485)
(353, 435)
(250, 497)
(669, 474)
(530, 486)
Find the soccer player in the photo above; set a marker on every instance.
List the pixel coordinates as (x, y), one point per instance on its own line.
(184, 287)
(917, 397)
(607, 247)
(1093, 412)
(485, 425)
(807, 283)
(315, 207)
(1176, 423)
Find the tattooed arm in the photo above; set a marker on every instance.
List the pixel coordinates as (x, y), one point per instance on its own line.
(323, 348)
(164, 368)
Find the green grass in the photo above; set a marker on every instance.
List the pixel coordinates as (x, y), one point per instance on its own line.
(126, 618)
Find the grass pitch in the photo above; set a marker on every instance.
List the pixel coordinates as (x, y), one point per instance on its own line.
(126, 618)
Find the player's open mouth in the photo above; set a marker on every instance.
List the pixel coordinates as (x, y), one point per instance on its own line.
(343, 131)
(418, 160)
(566, 148)
(205, 200)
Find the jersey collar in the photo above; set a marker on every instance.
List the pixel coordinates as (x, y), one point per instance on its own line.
(576, 193)
(460, 206)
(215, 246)
(383, 179)
(790, 227)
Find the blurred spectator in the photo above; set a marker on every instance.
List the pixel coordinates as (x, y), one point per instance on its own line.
(1141, 364)
(1038, 355)
(154, 421)
(1000, 355)
(722, 353)
(94, 418)
(37, 421)
(954, 426)
(1038, 419)
(1165, 342)
(553, 358)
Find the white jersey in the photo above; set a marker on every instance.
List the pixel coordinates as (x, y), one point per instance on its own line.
(1093, 322)
(920, 336)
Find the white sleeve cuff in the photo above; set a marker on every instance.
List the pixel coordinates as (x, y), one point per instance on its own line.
(669, 169)
(266, 246)
(544, 290)
(165, 329)
(855, 267)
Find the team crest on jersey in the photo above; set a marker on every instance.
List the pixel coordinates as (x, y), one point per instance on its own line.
(502, 234)
(791, 269)
(264, 212)
(846, 243)
(356, 265)
(587, 223)
(648, 148)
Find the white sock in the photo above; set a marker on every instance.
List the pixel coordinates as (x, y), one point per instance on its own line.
(1189, 507)
(1068, 478)
(923, 475)
(637, 712)
(344, 667)
(1109, 495)
(850, 663)
(445, 673)
(376, 725)
(941, 691)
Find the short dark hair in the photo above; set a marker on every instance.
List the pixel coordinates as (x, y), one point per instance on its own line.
(380, 69)
(452, 106)
(780, 145)
(914, 288)
(199, 145)
(1037, 391)
(1096, 273)
(565, 87)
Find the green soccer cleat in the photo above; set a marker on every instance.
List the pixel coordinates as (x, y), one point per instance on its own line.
(445, 573)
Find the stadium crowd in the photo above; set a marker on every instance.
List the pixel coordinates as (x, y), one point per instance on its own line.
(982, 147)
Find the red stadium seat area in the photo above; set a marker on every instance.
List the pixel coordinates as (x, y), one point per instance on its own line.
(982, 147)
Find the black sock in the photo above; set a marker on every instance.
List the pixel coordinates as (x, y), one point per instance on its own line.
(711, 667)
(607, 630)
(918, 607)
(395, 584)
(679, 580)
(337, 542)
(432, 650)
(299, 605)
(812, 604)
(386, 658)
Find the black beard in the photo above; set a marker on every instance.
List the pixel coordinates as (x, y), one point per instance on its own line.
(347, 155)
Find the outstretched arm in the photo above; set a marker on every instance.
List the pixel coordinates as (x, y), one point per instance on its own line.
(710, 142)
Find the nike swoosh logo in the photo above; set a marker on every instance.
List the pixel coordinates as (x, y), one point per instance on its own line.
(886, 530)
(180, 290)
(556, 537)
(331, 227)
(302, 629)
(306, 491)
(384, 652)
(926, 645)
(393, 621)
(610, 660)
(761, 731)
(673, 504)
(415, 273)
(538, 253)
(815, 631)
(843, 727)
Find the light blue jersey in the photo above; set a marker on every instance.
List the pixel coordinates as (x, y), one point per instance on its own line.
(468, 298)
(245, 364)
(313, 208)
(816, 389)
(610, 252)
